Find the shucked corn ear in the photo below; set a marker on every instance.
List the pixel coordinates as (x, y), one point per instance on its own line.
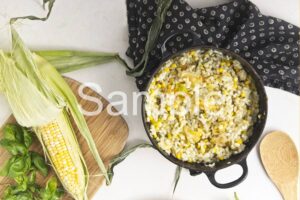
(41, 99)
(62, 149)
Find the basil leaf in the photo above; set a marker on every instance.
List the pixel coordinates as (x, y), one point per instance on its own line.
(13, 147)
(25, 196)
(39, 163)
(13, 132)
(51, 191)
(122, 156)
(21, 187)
(19, 166)
(31, 178)
(27, 137)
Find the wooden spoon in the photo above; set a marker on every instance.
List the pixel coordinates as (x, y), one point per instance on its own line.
(280, 159)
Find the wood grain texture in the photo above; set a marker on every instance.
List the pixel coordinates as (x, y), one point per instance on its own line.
(109, 133)
(281, 161)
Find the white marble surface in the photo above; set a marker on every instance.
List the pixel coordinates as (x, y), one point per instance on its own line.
(145, 175)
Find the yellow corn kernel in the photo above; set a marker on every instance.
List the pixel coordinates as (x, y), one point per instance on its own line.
(221, 70)
(215, 149)
(203, 148)
(239, 141)
(173, 65)
(168, 108)
(221, 158)
(169, 136)
(243, 94)
(223, 63)
(166, 69)
(179, 155)
(235, 85)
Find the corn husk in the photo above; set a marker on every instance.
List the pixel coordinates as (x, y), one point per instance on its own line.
(153, 33)
(69, 60)
(37, 93)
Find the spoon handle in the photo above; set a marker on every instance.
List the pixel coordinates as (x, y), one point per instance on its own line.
(289, 190)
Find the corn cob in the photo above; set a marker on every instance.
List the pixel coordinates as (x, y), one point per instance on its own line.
(41, 99)
(62, 149)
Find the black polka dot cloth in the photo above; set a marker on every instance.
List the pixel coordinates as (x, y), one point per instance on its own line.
(271, 45)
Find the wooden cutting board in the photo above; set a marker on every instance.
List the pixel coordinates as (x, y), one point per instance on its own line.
(109, 133)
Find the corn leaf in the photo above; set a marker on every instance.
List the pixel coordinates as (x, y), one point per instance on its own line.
(29, 106)
(177, 177)
(68, 60)
(236, 196)
(153, 34)
(50, 4)
(121, 157)
(25, 62)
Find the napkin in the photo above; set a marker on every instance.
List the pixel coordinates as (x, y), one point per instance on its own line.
(270, 44)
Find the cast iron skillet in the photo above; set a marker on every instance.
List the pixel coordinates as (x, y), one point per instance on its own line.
(240, 159)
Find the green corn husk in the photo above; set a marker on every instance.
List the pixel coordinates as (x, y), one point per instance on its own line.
(153, 33)
(176, 178)
(69, 60)
(236, 196)
(121, 157)
(50, 4)
(37, 93)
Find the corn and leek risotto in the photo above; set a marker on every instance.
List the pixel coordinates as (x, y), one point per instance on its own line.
(201, 106)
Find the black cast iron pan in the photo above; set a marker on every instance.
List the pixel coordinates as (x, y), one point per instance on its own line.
(239, 159)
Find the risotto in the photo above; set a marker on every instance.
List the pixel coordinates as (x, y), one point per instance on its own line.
(201, 106)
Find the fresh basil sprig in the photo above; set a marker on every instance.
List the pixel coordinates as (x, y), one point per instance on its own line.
(23, 166)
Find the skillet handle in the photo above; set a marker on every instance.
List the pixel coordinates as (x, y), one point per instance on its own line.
(212, 179)
(165, 52)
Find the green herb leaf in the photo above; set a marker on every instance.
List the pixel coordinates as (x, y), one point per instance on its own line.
(153, 34)
(39, 162)
(51, 191)
(13, 132)
(122, 156)
(31, 178)
(19, 166)
(13, 147)
(27, 137)
(177, 177)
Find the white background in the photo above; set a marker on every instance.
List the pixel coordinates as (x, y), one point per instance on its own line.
(101, 25)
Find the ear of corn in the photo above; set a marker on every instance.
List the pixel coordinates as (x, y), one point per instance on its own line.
(40, 98)
(62, 149)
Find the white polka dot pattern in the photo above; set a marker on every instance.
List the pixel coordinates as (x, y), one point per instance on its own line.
(271, 45)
